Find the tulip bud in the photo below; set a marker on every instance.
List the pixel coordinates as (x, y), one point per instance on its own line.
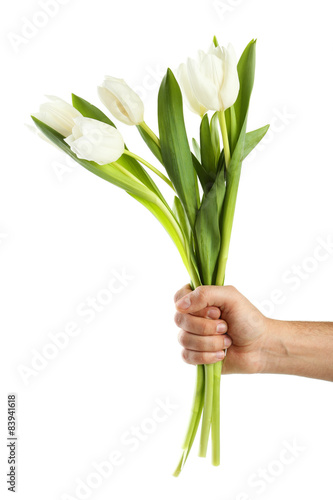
(95, 141)
(211, 81)
(121, 100)
(58, 114)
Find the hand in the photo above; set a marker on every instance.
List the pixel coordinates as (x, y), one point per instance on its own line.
(206, 314)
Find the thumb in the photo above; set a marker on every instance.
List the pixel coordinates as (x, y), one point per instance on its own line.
(206, 296)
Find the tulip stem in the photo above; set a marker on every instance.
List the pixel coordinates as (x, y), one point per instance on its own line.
(151, 167)
(150, 133)
(224, 131)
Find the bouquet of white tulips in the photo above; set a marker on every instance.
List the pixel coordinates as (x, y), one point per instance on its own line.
(204, 180)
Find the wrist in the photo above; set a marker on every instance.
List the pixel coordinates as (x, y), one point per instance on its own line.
(298, 348)
(276, 348)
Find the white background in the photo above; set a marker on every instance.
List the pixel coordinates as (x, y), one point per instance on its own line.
(64, 232)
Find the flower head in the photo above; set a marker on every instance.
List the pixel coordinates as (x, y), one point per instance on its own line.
(211, 81)
(95, 141)
(58, 114)
(121, 100)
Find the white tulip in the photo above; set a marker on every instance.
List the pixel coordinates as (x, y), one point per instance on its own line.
(121, 100)
(95, 141)
(192, 102)
(212, 79)
(58, 114)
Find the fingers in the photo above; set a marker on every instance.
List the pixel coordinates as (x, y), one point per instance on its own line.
(199, 325)
(183, 291)
(209, 343)
(202, 333)
(201, 358)
(205, 296)
(207, 312)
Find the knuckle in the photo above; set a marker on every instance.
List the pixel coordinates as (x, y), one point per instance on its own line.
(178, 318)
(185, 355)
(206, 358)
(231, 289)
(200, 292)
(205, 328)
(217, 344)
(180, 337)
(183, 291)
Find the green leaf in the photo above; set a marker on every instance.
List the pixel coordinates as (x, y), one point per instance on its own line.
(205, 179)
(246, 70)
(252, 139)
(206, 147)
(154, 148)
(89, 110)
(180, 215)
(176, 153)
(207, 229)
(196, 148)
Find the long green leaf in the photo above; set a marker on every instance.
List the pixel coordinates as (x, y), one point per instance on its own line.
(154, 148)
(246, 70)
(207, 229)
(89, 110)
(181, 217)
(252, 139)
(176, 153)
(206, 147)
(196, 149)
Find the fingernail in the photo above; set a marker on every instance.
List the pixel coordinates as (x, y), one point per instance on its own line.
(227, 342)
(221, 328)
(220, 354)
(183, 303)
(212, 313)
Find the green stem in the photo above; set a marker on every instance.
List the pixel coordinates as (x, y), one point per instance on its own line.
(224, 131)
(194, 421)
(150, 133)
(151, 167)
(195, 406)
(207, 411)
(216, 414)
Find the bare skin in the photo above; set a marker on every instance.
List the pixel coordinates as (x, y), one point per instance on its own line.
(213, 318)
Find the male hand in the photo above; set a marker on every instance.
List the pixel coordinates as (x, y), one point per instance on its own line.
(213, 318)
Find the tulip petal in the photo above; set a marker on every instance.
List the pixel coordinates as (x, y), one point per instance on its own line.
(121, 100)
(112, 104)
(192, 102)
(216, 51)
(95, 141)
(203, 88)
(58, 114)
(212, 67)
(230, 87)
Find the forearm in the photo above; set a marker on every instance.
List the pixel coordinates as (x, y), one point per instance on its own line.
(299, 348)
